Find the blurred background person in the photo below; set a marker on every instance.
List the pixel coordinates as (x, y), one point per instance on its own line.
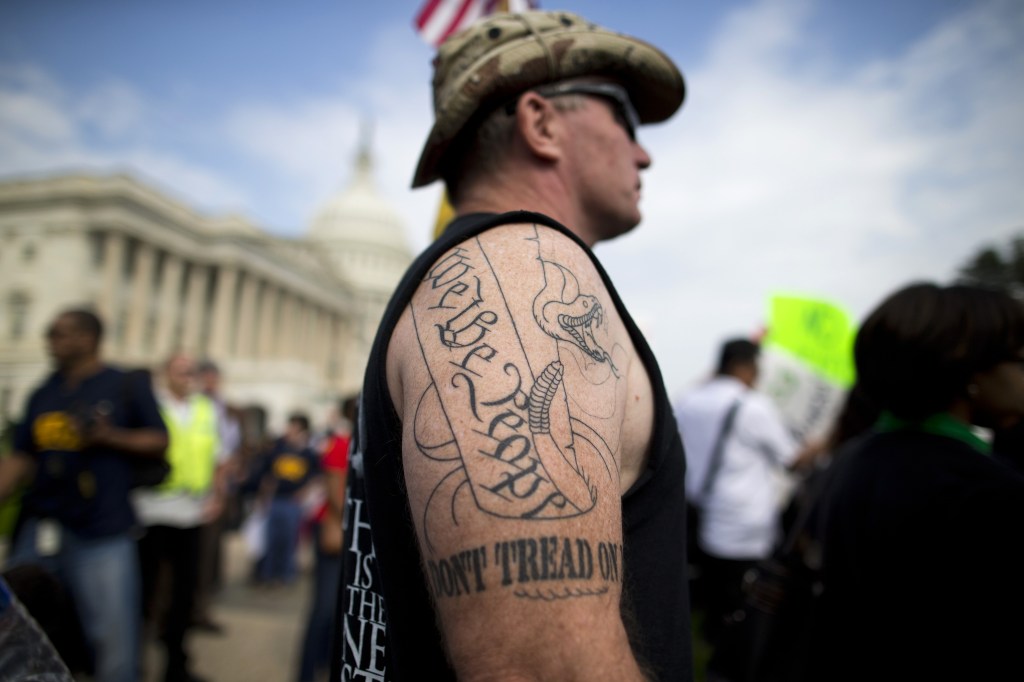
(81, 430)
(856, 416)
(735, 443)
(211, 535)
(326, 534)
(173, 513)
(769, 640)
(285, 479)
(922, 550)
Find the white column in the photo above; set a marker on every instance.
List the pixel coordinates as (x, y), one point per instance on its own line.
(245, 333)
(142, 292)
(304, 331)
(113, 271)
(321, 342)
(269, 323)
(223, 313)
(170, 310)
(349, 348)
(281, 326)
(195, 304)
(326, 328)
(333, 357)
(312, 348)
(293, 321)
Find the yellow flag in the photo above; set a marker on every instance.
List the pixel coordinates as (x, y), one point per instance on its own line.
(444, 215)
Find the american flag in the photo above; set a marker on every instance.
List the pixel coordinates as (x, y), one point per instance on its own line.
(438, 19)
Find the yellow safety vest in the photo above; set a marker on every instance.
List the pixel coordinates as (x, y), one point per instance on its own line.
(192, 447)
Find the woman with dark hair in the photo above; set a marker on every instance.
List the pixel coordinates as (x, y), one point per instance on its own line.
(923, 551)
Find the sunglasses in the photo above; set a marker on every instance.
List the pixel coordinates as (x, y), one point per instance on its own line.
(625, 113)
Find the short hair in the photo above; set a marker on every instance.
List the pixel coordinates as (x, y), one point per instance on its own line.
(856, 416)
(917, 351)
(481, 149)
(349, 406)
(736, 352)
(87, 321)
(300, 419)
(207, 365)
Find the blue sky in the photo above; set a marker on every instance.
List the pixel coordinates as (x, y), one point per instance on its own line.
(831, 148)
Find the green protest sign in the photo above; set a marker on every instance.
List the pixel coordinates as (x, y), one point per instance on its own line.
(817, 332)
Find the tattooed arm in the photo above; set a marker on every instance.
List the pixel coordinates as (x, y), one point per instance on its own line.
(511, 370)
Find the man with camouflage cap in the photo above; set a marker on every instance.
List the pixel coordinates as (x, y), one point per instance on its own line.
(515, 508)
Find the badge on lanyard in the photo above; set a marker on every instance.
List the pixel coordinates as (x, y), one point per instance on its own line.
(47, 537)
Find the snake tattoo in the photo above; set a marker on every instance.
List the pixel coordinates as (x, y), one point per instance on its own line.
(567, 315)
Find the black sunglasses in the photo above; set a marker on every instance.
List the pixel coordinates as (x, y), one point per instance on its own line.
(625, 113)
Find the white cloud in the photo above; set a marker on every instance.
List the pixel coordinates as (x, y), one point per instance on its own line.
(31, 109)
(306, 147)
(301, 139)
(115, 109)
(312, 142)
(46, 128)
(312, 145)
(197, 186)
(844, 184)
(397, 88)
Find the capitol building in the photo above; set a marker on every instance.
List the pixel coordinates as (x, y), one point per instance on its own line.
(288, 320)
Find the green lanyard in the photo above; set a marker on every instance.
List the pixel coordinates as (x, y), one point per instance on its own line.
(941, 424)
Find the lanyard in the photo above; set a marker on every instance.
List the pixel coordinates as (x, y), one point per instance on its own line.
(941, 424)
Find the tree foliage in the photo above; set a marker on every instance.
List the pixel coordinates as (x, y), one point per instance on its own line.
(992, 266)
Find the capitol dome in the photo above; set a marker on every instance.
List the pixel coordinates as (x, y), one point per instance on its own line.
(361, 232)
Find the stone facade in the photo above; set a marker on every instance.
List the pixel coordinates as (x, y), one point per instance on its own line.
(289, 321)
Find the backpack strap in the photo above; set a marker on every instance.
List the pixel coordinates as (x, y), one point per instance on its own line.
(716, 453)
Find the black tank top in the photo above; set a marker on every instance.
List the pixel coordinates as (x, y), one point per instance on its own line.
(388, 628)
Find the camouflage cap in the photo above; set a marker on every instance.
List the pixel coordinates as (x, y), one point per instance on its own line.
(506, 54)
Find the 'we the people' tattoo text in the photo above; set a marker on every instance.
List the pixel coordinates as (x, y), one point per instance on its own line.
(510, 460)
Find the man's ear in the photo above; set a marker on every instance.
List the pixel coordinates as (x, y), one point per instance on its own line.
(540, 126)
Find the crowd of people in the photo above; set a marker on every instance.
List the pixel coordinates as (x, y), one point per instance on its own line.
(125, 479)
(513, 501)
(910, 507)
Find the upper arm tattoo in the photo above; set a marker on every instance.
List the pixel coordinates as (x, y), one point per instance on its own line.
(520, 419)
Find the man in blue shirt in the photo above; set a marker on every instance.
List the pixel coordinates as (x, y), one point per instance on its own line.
(290, 468)
(74, 449)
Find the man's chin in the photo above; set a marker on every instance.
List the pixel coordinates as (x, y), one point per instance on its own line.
(632, 221)
(619, 230)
